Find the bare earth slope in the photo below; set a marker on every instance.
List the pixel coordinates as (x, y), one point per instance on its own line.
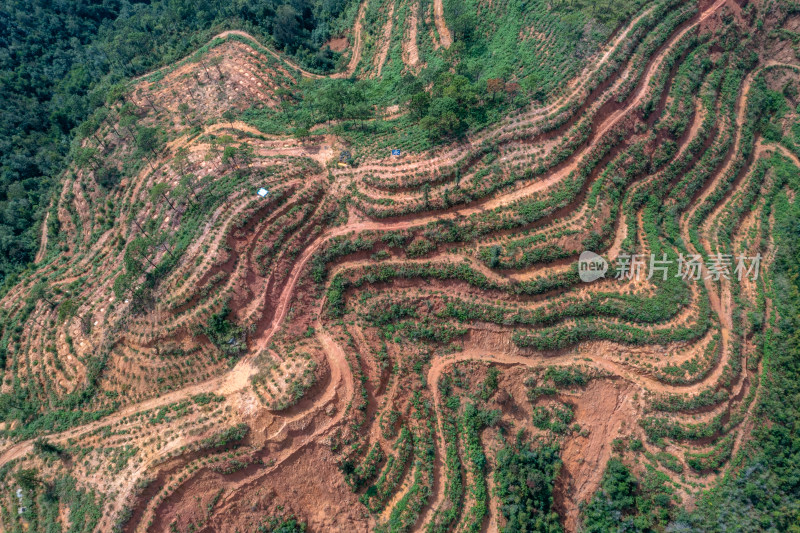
(358, 347)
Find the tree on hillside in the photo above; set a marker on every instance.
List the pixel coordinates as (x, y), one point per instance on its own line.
(186, 188)
(86, 157)
(45, 448)
(343, 100)
(287, 30)
(159, 190)
(28, 479)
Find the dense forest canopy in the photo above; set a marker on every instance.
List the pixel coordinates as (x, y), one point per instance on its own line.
(58, 61)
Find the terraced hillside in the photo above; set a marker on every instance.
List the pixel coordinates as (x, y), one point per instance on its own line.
(405, 343)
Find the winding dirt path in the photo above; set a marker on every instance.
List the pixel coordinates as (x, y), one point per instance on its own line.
(445, 38)
(43, 242)
(410, 48)
(234, 381)
(357, 44)
(383, 53)
(351, 67)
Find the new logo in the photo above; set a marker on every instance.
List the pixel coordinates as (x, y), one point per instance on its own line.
(591, 266)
